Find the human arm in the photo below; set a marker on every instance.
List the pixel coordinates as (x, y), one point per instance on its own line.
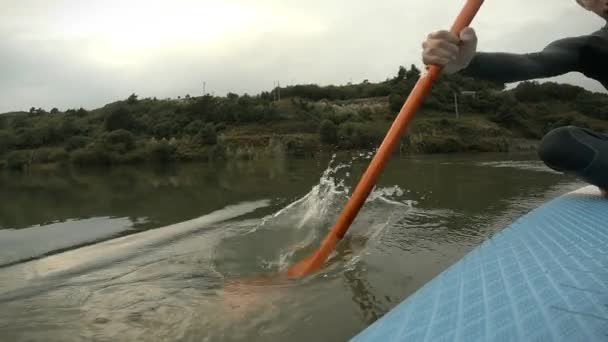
(460, 54)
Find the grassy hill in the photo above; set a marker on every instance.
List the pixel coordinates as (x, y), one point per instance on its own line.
(307, 119)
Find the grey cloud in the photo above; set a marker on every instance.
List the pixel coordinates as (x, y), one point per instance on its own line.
(50, 73)
(362, 40)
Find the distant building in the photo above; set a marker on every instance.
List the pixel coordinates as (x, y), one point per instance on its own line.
(468, 93)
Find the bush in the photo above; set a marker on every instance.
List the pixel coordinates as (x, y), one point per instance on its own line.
(207, 135)
(593, 105)
(164, 129)
(365, 114)
(119, 141)
(328, 132)
(338, 117)
(564, 120)
(29, 138)
(194, 127)
(76, 142)
(510, 114)
(48, 155)
(395, 102)
(131, 157)
(441, 144)
(360, 135)
(90, 156)
(498, 144)
(533, 91)
(121, 118)
(7, 141)
(18, 160)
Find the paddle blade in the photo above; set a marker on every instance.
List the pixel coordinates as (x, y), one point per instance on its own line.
(315, 261)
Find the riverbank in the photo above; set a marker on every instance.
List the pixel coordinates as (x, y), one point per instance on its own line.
(258, 142)
(305, 121)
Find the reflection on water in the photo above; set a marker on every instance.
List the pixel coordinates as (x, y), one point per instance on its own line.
(25, 244)
(159, 196)
(214, 271)
(522, 165)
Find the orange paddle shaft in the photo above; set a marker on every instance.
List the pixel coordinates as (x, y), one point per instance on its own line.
(373, 172)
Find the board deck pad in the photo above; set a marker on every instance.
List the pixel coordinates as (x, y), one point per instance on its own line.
(544, 278)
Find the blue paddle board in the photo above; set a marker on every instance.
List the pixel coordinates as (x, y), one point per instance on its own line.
(544, 278)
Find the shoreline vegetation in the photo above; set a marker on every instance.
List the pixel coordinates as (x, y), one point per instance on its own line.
(461, 115)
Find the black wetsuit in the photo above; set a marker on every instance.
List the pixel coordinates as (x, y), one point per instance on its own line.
(573, 150)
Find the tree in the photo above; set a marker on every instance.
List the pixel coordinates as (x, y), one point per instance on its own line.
(202, 107)
(245, 101)
(54, 111)
(533, 91)
(401, 73)
(266, 96)
(81, 112)
(120, 141)
(413, 73)
(510, 113)
(395, 102)
(36, 111)
(121, 118)
(132, 99)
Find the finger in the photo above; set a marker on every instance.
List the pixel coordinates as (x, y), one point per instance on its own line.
(447, 46)
(435, 60)
(444, 35)
(441, 50)
(468, 34)
(442, 54)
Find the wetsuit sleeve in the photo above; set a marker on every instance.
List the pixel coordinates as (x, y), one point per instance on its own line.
(557, 58)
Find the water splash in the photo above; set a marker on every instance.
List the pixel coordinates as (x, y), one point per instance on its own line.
(286, 236)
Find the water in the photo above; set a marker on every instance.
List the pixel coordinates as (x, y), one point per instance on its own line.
(198, 252)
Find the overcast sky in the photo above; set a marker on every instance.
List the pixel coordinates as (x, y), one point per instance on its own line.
(72, 53)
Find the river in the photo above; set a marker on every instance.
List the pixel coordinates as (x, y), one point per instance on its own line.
(197, 252)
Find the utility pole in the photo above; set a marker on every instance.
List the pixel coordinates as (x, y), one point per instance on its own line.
(456, 105)
(462, 93)
(204, 88)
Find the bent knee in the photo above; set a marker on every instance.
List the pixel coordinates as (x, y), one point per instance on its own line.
(562, 149)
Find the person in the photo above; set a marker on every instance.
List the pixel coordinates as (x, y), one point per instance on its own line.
(573, 150)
